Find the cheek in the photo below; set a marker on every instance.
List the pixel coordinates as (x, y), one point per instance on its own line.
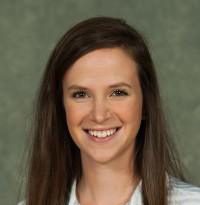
(131, 111)
(74, 113)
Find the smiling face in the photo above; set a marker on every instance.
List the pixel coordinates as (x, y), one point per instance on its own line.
(91, 101)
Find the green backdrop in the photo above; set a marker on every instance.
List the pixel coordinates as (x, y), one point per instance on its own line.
(29, 30)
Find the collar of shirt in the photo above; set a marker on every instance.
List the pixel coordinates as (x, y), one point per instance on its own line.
(134, 200)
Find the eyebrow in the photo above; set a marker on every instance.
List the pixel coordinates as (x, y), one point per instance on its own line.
(120, 84)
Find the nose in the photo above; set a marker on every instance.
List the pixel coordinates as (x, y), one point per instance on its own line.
(100, 110)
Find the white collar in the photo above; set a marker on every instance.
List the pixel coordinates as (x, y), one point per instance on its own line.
(136, 198)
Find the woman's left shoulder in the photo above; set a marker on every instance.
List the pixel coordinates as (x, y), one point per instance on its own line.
(183, 193)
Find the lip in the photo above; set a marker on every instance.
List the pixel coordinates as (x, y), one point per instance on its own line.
(105, 139)
(101, 129)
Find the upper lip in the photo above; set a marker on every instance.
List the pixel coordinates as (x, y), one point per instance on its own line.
(101, 129)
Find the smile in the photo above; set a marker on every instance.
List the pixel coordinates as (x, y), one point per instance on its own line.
(102, 133)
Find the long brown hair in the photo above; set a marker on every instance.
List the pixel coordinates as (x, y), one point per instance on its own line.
(54, 157)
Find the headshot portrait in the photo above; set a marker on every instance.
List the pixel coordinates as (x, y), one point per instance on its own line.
(100, 102)
(100, 132)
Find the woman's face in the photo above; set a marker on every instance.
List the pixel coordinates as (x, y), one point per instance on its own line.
(101, 91)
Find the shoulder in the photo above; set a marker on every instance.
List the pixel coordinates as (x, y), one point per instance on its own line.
(182, 193)
(21, 203)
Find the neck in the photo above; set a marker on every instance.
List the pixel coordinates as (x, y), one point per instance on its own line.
(106, 184)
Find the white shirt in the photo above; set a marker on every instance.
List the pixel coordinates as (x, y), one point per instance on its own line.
(181, 194)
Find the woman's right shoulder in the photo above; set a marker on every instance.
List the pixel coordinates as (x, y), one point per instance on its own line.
(21, 203)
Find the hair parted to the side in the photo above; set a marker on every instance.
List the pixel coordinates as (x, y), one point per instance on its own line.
(55, 159)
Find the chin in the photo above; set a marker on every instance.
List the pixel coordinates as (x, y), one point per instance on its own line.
(101, 158)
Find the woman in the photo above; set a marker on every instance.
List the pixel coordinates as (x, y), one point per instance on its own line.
(100, 132)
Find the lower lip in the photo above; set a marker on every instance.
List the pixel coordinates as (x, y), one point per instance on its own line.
(103, 139)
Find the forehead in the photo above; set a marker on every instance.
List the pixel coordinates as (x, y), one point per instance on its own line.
(102, 65)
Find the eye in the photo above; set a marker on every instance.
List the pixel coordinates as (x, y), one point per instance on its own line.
(79, 94)
(120, 92)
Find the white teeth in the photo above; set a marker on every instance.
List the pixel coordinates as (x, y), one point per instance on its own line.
(102, 134)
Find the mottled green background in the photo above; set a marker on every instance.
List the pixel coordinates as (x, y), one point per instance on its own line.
(29, 30)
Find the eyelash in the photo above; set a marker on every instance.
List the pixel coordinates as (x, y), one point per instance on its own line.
(124, 93)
